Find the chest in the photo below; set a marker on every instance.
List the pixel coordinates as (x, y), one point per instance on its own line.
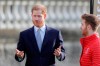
(85, 58)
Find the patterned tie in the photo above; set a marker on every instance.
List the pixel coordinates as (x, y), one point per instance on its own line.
(39, 39)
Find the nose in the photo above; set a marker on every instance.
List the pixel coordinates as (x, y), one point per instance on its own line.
(36, 18)
(81, 27)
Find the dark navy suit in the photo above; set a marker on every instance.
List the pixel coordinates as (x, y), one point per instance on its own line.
(28, 44)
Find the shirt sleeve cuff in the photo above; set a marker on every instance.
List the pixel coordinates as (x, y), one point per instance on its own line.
(61, 56)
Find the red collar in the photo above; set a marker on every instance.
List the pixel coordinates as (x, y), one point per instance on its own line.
(84, 41)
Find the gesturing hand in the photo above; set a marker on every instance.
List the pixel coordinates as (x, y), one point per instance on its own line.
(20, 53)
(57, 51)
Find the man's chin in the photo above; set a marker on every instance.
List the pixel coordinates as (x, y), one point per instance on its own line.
(84, 35)
(38, 26)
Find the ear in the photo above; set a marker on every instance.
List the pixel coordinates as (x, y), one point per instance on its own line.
(89, 27)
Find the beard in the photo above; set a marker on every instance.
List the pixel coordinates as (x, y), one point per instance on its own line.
(38, 23)
(85, 32)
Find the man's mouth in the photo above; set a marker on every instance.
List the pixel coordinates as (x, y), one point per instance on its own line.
(37, 21)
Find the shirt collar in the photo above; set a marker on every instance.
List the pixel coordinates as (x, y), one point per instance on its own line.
(42, 28)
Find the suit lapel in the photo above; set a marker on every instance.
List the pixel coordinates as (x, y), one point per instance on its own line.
(33, 39)
(45, 37)
(34, 42)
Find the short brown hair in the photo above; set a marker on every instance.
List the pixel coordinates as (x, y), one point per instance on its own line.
(92, 20)
(39, 7)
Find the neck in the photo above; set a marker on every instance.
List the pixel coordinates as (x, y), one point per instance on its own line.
(40, 26)
(91, 32)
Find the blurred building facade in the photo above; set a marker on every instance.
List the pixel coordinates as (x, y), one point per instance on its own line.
(15, 16)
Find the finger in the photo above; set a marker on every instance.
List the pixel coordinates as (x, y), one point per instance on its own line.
(60, 47)
(19, 53)
(17, 50)
(22, 55)
(56, 52)
(22, 52)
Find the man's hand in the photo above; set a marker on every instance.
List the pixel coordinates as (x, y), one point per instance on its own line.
(57, 51)
(20, 53)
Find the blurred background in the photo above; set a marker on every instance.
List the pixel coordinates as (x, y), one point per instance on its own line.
(15, 16)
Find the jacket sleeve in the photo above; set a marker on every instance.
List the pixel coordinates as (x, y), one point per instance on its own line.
(20, 46)
(96, 55)
(59, 42)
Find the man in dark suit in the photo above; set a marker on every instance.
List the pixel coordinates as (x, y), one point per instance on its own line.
(41, 44)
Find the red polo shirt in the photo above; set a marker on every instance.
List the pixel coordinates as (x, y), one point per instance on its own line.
(90, 50)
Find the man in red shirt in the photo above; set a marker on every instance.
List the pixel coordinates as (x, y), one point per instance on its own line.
(90, 41)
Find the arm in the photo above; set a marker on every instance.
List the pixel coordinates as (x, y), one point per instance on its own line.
(61, 57)
(59, 46)
(20, 47)
(96, 56)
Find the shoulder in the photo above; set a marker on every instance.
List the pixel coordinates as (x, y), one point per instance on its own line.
(27, 31)
(96, 45)
(52, 29)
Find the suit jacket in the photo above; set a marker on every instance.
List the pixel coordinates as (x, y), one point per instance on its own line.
(28, 44)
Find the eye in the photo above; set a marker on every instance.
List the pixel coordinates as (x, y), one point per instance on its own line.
(39, 16)
(34, 15)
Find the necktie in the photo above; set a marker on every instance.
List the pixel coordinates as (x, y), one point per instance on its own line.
(39, 39)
